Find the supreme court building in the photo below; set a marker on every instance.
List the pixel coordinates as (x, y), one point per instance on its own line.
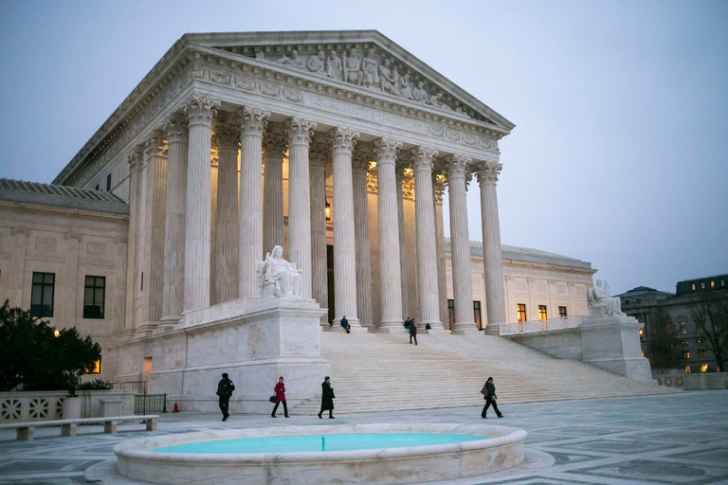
(337, 146)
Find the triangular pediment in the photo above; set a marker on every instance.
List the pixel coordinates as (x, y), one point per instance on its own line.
(362, 60)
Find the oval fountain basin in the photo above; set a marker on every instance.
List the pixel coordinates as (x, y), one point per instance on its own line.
(398, 454)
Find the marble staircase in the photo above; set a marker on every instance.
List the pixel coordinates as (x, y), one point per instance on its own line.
(383, 372)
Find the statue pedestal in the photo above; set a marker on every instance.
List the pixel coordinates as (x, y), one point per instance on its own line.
(613, 343)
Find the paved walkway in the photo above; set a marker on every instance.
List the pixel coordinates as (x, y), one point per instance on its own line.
(663, 439)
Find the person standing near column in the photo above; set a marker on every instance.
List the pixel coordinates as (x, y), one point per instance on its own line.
(412, 331)
(225, 390)
(280, 390)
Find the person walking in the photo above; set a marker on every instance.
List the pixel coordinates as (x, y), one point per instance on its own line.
(412, 331)
(225, 390)
(488, 392)
(280, 391)
(327, 398)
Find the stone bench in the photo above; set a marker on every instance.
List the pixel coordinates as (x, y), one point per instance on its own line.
(26, 430)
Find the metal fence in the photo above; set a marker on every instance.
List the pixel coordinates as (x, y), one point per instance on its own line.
(150, 403)
(140, 387)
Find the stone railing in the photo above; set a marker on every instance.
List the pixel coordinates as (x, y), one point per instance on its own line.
(48, 405)
(540, 325)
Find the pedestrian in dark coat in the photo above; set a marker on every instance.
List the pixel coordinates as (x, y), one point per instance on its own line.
(225, 390)
(345, 324)
(489, 392)
(413, 331)
(327, 398)
(280, 391)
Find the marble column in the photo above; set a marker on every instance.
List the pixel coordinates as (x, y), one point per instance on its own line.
(200, 111)
(252, 122)
(389, 242)
(462, 284)
(492, 258)
(360, 164)
(299, 199)
(153, 258)
(135, 161)
(174, 219)
(274, 145)
(438, 189)
(227, 220)
(318, 156)
(342, 144)
(423, 158)
(399, 168)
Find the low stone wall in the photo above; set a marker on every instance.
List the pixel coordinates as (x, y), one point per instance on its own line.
(706, 380)
(564, 344)
(48, 405)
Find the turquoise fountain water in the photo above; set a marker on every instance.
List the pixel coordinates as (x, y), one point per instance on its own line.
(315, 443)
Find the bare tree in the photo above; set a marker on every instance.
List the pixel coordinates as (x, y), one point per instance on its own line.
(710, 314)
(661, 349)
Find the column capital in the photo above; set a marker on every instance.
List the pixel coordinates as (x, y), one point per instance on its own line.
(176, 128)
(457, 165)
(274, 140)
(423, 158)
(386, 149)
(201, 109)
(300, 130)
(319, 150)
(154, 145)
(226, 134)
(343, 138)
(253, 120)
(488, 172)
(135, 158)
(362, 157)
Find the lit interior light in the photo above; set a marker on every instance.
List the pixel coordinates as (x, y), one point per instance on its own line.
(56, 333)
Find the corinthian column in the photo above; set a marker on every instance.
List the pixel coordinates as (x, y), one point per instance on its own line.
(360, 167)
(227, 234)
(153, 257)
(423, 158)
(492, 258)
(319, 153)
(462, 284)
(174, 219)
(274, 143)
(252, 121)
(200, 110)
(389, 244)
(135, 161)
(342, 144)
(438, 188)
(299, 199)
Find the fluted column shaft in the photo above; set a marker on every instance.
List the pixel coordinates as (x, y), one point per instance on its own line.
(174, 219)
(253, 121)
(227, 233)
(492, 257)
(407, 311)
(461, 270)
(319, 152)
(135, 161)
(343, 140)
(200, 112)
(440, 244)
(299, 199)
(423, 158)
(274, 144)
(389, 241)
(363, 255)
(156, 170)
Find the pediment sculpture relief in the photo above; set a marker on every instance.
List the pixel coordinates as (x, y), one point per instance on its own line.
(369, 68)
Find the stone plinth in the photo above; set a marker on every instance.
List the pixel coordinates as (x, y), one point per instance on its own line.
(269, 338)
(613, 344)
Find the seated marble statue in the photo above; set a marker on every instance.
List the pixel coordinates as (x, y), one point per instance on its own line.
(277, 277)
(600, 303)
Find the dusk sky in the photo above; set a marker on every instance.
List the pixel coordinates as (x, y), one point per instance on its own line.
(619, 156)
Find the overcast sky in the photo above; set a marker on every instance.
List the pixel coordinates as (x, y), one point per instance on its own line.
(619, 155)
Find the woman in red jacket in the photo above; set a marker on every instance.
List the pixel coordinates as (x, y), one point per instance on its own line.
(280, 391)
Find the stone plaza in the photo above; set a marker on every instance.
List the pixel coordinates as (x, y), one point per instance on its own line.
(668, 439)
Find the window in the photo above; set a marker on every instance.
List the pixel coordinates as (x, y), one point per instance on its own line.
(683, 328)
(451, 312)
(702, 286)
(686, 349)
(93, 297)
(693, 286)
(642, 331)
(476, 314)
(542, 313)
(668, 329)
(704, 368)
(712, 284)
(687, 369)
(562, 312)
(521, 310)
(108, 183)
(96, 369)
(41, 297)
(98, 187)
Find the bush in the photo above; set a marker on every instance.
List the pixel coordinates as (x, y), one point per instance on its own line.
(95, 385)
